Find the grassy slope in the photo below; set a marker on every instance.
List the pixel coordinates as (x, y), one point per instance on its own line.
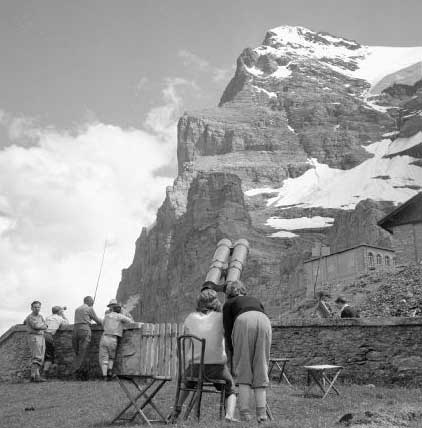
(93, 404)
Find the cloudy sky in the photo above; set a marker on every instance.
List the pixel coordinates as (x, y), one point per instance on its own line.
(90, 93)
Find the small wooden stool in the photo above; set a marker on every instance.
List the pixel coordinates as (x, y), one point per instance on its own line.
(317, 375)
(280, 363)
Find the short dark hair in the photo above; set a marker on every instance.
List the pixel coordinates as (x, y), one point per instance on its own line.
(35, 302)
(88, 299)
(341, 300)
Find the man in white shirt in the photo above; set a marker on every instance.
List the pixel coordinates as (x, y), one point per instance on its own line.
(113, 329)
(54, 322)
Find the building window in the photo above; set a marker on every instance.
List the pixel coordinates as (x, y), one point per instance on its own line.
(379, 259)
(371, 260)
(387, 260)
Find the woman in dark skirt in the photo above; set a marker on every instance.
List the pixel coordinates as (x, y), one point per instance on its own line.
(248, 337)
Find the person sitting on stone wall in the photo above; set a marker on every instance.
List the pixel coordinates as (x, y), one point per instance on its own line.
(113, 330)
(346, 311)
(207, 323)
(54, 322)
(36, 327)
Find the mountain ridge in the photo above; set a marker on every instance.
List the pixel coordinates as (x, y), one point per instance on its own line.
(308, 144)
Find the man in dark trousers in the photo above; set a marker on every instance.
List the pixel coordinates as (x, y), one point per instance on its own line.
(346, 311)
(81, 337)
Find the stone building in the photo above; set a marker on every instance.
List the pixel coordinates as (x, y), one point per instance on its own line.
(405, 225)
(346, 265)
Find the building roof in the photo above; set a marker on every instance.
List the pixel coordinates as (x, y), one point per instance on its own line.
(406, 213)
(348, 249)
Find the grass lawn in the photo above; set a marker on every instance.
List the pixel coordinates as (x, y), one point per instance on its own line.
(93, 404)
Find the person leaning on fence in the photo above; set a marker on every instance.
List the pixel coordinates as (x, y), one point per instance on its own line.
(81, 337)
(248, 337)
(36, 327)
(207, 323)
(54, 322)
(113, 329)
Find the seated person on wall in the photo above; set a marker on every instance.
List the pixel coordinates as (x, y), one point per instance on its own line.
(346, 311)
(207, 323)
(113, 329)
(54, 322)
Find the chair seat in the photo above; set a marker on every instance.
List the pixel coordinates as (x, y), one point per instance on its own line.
(207, 380)
(166, 378)
(216, 381)
(279, 360)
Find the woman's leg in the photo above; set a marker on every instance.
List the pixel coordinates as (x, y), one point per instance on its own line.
(261, 404)
(244, 400)
(230, 406)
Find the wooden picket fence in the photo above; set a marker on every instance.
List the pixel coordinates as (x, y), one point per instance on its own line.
(149, 351)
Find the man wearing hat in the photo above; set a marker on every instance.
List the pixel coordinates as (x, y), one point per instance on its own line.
(54, 322)
(113, 330)
(81, 337)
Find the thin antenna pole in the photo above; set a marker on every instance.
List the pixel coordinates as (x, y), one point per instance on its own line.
(101, 269)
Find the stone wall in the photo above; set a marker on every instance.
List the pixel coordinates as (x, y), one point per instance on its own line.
(15, 355)
(372, 350)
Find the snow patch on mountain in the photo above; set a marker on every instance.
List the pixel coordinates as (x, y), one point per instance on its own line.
(401, 144)
(315, 222)
(282, 72)
(283, 234)
(264, 91)
(254, 70)
(322, 186)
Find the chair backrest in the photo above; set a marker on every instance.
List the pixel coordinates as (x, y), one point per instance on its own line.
(190, 355)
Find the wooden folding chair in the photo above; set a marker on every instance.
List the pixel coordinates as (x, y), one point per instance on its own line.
(192, 377)
(150, 367)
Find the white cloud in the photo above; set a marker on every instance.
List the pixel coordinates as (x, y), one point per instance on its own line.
(141, 85)
(64, 195)
(190, 59)
(160, 119)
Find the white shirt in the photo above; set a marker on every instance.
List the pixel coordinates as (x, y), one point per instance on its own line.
(209, 327)
(113, 323)
(54, 322)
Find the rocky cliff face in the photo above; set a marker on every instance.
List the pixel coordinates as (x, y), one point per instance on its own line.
(310, 125)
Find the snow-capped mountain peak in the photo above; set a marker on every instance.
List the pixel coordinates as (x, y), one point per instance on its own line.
(370, 63)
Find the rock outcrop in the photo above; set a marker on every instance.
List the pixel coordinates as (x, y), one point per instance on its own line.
(310, 125)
